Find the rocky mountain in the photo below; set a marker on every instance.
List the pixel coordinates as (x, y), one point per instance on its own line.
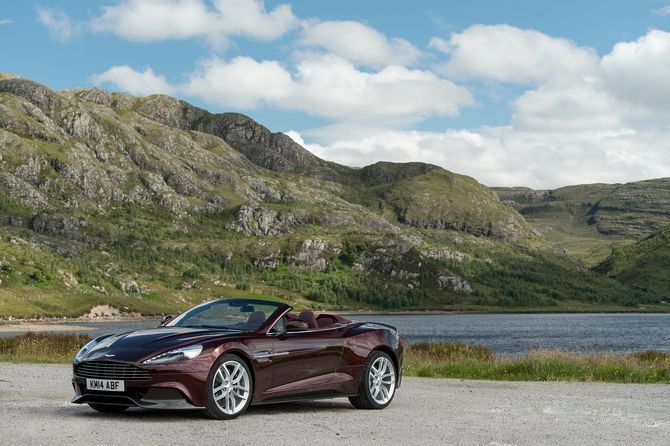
(108, 194)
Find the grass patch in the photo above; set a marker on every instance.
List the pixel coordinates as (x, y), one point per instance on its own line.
(460, 361)
(429, 360)
(43, 347)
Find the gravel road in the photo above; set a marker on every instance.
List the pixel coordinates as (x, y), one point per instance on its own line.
(35, 409)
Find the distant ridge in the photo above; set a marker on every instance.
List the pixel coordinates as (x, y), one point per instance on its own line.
(588, 220)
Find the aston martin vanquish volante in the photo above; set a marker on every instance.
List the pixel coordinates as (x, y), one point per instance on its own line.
(222, 356)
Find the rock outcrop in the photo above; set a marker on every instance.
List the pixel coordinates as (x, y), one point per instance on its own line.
(63, 225)
(260, 221)
(309, 257)
(453, 282)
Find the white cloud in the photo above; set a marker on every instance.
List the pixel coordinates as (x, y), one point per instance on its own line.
(6, 22)
(332, 87)
(662, 11)
(60, 24)
(359, 43)
(575, 90)
(629, 85)
(155, 20)
(136, 83)
(242, 83)
(638, 72)
(507, 54)
(325, 85)
(578, 107)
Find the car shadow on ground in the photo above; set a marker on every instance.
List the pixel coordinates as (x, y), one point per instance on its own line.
(133, 414)
(301, 407)
(136, 414)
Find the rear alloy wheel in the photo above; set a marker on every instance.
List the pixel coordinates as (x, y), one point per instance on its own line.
(107, 408)
(377, 384)
(229, 388)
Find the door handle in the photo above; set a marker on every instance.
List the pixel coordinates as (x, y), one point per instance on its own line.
(266, 355)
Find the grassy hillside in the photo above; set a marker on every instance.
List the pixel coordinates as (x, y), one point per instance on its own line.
(643, 265)
(154, 271)
(589, 220)
(427, 196)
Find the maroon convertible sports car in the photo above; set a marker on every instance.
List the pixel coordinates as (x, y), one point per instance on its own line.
(224, 355)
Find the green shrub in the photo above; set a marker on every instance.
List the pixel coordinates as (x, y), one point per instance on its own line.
(43, 347)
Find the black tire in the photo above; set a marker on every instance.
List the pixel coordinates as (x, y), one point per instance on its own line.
(378, 383)
(107, 408)
(229, 388)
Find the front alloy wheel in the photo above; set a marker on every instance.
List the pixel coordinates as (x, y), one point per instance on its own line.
(377, 384)
(229, 388)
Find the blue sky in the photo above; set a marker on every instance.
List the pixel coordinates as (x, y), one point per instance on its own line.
(515, 93)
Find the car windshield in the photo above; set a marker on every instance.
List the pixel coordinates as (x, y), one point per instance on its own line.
(238, 315)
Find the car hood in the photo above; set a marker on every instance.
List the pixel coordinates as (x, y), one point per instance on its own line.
(138, 345)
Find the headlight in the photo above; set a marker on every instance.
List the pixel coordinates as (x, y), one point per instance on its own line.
(180, 354)
(81, 353)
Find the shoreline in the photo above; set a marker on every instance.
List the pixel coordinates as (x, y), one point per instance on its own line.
(512, 311)
(48, 324)
(49, 321)
(58, 324)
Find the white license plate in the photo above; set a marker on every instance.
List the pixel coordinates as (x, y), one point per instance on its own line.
(105, 384)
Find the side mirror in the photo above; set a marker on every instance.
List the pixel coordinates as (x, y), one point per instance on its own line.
(166, 319)
(296, 325)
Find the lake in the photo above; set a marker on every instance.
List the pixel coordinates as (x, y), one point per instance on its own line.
(516, 333)
(503, 333)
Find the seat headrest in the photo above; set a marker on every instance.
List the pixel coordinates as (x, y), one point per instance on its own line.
(309, 317)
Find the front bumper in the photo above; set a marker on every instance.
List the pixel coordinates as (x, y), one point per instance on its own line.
(145, 397)
(162, 388)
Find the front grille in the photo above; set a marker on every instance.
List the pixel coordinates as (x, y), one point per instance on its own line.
(110, 370)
